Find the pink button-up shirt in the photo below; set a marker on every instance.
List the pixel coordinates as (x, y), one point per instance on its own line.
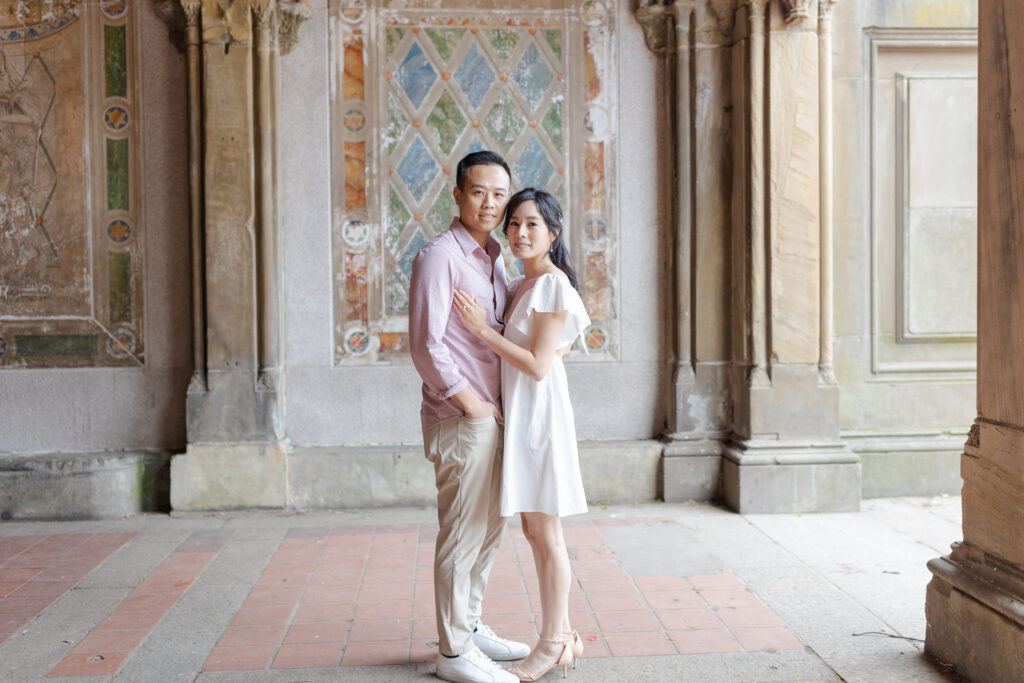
(447, 355)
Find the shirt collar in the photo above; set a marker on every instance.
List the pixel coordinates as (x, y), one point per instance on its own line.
(469, 244)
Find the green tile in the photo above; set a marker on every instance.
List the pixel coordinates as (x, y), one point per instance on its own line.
(117, 174)
(397, 123)
(554, 38)
(115, 61)
(120, 275)
(504, 41)
(552, 123)
(393, 38)
(398, 218)
(440, 215)
(445, 40)
(447, 121)
(29, 345)
(504, 122)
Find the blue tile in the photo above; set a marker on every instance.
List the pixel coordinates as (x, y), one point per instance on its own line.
(418, 169)
(416, 75)
(475, 76)
(533, 76)
(532, 168)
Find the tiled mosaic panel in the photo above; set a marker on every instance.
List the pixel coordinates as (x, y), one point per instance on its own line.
(70, 286)
(454, 84)
(462, 88)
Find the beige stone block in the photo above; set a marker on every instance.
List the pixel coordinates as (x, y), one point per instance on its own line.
(943, 141)
(712, 198)
(229, 211)
(620, 470)
(324, 478)
(1000, 247)
(229, 477)
(940, 277)
(992, 511)
(794, 197)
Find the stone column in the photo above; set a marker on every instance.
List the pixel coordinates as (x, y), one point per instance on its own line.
(975, 600)
(237, 448)
(696, 46)
(785, 454)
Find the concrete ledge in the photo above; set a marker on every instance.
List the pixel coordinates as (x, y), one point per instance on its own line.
(363, 476)
(765, 476)
(226, 477)
(621, 471)
(908, 464)
(229, 477)
(83, 485)
(692, 471)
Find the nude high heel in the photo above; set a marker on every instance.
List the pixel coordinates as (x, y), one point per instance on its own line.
(564, 660)
(577, 646)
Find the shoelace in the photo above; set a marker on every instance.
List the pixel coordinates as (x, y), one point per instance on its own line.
(486, 632)
(476, 656)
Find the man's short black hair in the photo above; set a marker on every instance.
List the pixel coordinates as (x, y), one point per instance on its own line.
(482, 158)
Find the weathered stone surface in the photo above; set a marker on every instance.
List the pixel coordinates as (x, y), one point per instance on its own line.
(371, 476)
(974, 602)
(229, 477)
(793, 405)
(692, 470)
(620, 471)
(910, 466)
(974, 614)
(829, 487)
(83, 485)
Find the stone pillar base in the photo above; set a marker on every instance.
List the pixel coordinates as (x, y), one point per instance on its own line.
(229, 477)
(692, 470)
(975, 614)
(774, 476)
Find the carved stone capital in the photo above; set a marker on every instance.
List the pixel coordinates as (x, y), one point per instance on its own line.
(796, 10)
(825, 8)
(227, 21)
(191, 10)
(262, 12)
(291, 15)
(757, 9)
(655, 18)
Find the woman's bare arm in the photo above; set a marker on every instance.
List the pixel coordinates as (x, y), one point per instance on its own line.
(535, 361)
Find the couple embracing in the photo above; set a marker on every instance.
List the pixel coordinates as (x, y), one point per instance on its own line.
(497, 423)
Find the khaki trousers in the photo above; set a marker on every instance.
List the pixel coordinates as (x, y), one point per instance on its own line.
(467, 454)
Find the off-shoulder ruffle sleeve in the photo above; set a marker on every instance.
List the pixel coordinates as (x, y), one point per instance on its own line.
(553, 294)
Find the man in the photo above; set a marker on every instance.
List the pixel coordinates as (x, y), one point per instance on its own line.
(461, 413)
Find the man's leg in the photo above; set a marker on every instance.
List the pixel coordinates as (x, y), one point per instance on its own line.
(462, 450)
(492, 541)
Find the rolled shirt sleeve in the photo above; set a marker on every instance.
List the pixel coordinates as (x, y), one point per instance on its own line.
(431, 293)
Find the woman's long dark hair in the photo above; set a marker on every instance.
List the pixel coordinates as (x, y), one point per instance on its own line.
(551, 212)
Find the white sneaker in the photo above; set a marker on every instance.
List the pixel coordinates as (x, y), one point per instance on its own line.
(472, 667)
(497, 648)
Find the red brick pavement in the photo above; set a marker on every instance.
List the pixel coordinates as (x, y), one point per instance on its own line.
(35, 570)
(357, 596)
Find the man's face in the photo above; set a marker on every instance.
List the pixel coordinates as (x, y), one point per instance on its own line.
(483, 197)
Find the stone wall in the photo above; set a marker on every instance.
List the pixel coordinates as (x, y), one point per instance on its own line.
(94, 332)
(346, 386)
(905, 93)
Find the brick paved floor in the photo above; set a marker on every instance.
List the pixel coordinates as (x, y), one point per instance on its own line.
(363, 595)
(35, 570)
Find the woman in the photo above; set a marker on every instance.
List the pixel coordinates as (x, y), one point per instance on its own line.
(541, 472)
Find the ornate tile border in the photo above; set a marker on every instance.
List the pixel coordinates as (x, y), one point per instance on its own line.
(532, 84)
(71, 279)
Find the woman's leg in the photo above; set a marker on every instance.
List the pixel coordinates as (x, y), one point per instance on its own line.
(544, 533)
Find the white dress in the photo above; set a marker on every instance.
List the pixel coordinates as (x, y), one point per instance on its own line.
(541, 471)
